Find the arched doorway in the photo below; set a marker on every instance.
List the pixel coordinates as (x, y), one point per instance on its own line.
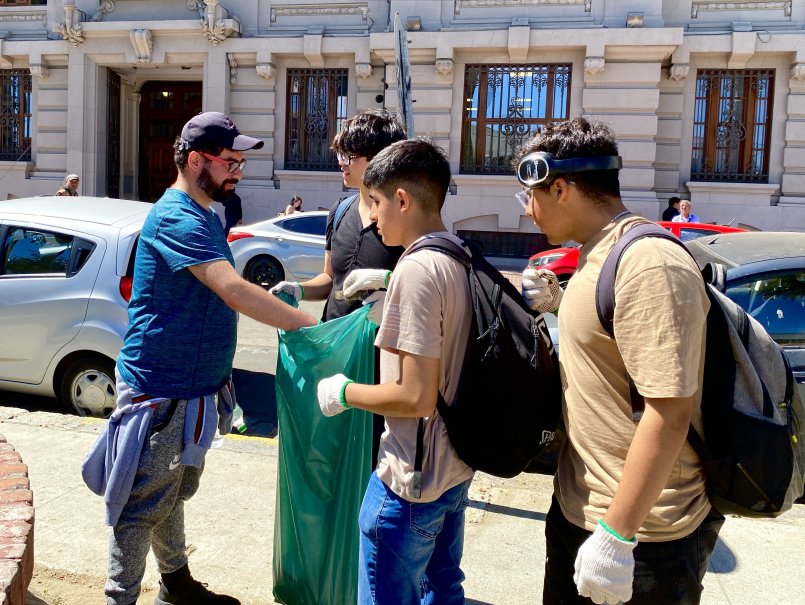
(164, 109)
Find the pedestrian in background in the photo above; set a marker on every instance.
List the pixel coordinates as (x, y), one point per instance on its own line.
(630, 520)
(672, 210)
(233, 212)
(685, 215)
(412, 524)
(173, 372)
(295, 205)
(70, 186)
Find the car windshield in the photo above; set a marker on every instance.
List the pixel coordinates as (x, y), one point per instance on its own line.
(544, 260)
(776, 301)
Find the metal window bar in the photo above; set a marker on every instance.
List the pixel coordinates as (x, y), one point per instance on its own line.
(505, 105)
(316, 109)
(15, 115)
(732, 125)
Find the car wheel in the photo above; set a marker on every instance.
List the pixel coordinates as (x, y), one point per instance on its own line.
(88, 387)
(563, 279)
(264, 271)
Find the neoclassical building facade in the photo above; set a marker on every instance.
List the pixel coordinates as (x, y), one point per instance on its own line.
(707, 98)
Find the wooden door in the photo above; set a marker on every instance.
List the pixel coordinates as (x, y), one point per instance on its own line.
(164, 109)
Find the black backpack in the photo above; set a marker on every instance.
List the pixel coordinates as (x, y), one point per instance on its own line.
(753, 447)
(508, 401)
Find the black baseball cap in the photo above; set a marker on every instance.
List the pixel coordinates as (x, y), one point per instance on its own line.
(214, 129)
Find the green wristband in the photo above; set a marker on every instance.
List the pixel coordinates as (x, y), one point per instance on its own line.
(614, 533)
(386, 279)
(301, 290)
(343, 391)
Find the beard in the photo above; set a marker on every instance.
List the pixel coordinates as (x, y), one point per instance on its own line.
(216, 191)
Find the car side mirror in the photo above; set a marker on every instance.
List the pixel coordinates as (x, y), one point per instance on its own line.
(715, 274)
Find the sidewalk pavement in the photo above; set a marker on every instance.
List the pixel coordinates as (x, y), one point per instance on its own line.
(230, 525)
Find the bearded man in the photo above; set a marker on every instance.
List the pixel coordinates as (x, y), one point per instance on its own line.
(173, 372)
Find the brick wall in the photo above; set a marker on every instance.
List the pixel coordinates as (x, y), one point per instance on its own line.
(16, 526)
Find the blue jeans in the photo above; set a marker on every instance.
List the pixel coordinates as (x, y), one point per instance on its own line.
(666, 573)
(410, 552)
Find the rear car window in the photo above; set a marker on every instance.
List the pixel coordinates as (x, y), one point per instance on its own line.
(776, 301)
(309, 225)
(27, 251)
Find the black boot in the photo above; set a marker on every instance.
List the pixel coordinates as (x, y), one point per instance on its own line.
(179, 588)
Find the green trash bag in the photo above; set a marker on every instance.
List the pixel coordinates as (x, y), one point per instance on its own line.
(324, 463)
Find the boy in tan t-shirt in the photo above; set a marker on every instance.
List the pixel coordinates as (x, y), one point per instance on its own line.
(620, 481)
(412, 523)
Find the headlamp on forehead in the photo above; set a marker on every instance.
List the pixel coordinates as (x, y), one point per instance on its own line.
(540, 168)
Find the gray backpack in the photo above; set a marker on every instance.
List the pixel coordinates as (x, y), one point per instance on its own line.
(753, 446)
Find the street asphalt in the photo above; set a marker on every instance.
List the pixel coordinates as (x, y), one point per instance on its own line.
(230, 521)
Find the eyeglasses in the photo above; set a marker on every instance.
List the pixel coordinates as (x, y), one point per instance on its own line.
(232, 166)
(540, 169)
(524, 197)
(346, 158)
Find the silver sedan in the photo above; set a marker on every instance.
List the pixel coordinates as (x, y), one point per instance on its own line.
(281, 248)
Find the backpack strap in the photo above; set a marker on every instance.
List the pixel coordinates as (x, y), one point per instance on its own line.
(442, 244)
(450, 248)
(343, 206)
(605, 292)
(605, 288)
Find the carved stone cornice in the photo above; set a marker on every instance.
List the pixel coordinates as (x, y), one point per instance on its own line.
(104, 9)
(143, 42)
(267, 71)
(444, 67)
(40, 70)
(459, 4)
(798, 72)
(233, 68)
(594, 65)
(679, 71)
(71, 29)
(320, 10)
(733, 5)
(363, 70)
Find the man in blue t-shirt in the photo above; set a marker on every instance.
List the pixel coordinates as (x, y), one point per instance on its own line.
(176, 356)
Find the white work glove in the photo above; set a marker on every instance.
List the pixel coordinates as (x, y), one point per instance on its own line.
(292, 288)
(365, 279)
(330, 393)
(605, 568)
(378, 301)
(541, 290)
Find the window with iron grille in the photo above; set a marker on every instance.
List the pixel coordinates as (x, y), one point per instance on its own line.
(732, 125)
(15, 115)
(505, 104)
(317, 107)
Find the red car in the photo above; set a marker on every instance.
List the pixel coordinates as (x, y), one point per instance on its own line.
(563, 261)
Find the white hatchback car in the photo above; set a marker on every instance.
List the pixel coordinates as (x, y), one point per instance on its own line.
(66, 267)
(281, 248)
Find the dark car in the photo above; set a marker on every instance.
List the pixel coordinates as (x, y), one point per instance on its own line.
(765, 274)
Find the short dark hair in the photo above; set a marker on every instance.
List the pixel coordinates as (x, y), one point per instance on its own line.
(416, 165)
(180, 153)
(579, 138)
(672, 201)
(367, 133)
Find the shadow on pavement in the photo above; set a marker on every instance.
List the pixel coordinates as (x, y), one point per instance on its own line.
(474, 602)
(507, 510)
(256, 396)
